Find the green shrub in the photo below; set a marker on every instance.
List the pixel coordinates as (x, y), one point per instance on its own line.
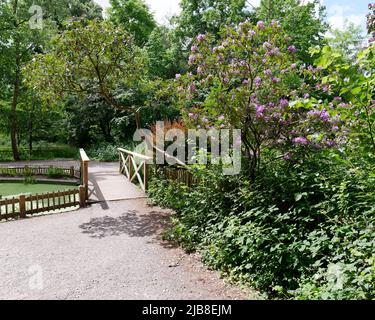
(302, 231)
(56, 173)
(28, 176)
(105, 152)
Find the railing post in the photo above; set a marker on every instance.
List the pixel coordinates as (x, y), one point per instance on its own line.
(130, 167)
(85, 172)
(86, 178)
(82, 196)
(22, 206)
(120, 162)
(145, 175)
(72, 171)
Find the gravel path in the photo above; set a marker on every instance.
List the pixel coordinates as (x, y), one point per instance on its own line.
(102, 252)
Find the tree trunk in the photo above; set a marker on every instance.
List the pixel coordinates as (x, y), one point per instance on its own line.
(13, 116)
(31, 128)
(16, 91)
(138, 119)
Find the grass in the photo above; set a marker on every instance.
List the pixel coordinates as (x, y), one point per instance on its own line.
(13, 189)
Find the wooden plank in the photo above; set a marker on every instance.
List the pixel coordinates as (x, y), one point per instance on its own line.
(134, 154)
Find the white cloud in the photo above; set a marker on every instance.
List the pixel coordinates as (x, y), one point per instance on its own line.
(339, 14)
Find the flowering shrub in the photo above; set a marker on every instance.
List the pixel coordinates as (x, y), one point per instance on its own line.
(250, 80)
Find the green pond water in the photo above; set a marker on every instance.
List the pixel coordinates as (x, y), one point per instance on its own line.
(13, 189)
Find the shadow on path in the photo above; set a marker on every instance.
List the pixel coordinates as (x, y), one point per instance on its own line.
(130, 223)
(96, 194)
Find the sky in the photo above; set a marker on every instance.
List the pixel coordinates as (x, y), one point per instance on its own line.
(338, 10)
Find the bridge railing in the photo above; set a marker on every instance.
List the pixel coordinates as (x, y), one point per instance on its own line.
(84, 160)
(135, 167)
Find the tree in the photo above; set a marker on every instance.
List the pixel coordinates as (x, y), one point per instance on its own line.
(249, 80)
(303, 21)
(198, 17)
(348, 42)
(19, 42)
(90, 58)
(209, 16)
(354, 80)
(163, 56)
(135, 17)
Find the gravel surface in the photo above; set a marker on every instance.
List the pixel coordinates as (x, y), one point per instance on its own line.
(111, 251)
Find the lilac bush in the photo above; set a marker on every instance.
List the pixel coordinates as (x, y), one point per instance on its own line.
(251, 80)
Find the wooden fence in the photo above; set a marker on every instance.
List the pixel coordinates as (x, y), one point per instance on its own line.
(41, 171)
(178, 174)
(23, 205)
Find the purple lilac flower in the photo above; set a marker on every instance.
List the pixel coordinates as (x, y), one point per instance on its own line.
(252, 33)
(267, 45)
(221, 118)
(194, 48)
(325, 116)
(245, 82)
(268, 72)
(337, 99)
(199, 70)
(292, 49)
(259, 111)
(275, 80)
(201, 37)
(301, 140)
(293, 66)
(288, 156)
(178, 76)
(258, 81)
(192, 59)
(191, 115)
(260, 24)
(284, 103)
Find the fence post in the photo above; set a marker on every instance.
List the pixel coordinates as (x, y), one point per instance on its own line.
(85, 172)
(145, 175)
(22, 206)
(82, 196)
(72, 171)
(130, 168)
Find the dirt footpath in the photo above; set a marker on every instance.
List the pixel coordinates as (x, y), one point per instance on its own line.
(108, 251)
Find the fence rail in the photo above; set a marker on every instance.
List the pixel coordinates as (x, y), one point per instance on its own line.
(23, 205)
(46, 171)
